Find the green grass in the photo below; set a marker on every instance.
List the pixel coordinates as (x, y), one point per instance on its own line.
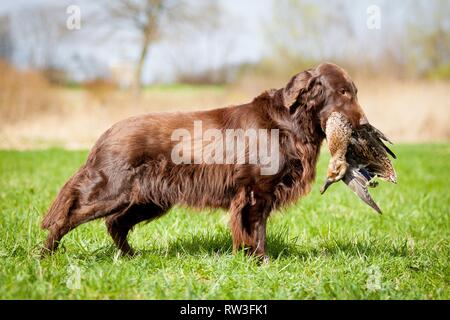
(325, 247)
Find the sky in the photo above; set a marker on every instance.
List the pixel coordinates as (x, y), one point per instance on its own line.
(242, 39)
(246, 38)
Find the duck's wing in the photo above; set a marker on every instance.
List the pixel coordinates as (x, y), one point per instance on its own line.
(357, 182)
(379, 137)
(368, 150)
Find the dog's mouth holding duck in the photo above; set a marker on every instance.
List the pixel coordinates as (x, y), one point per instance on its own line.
(358, 156)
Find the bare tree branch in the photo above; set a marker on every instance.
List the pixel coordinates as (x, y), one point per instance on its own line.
(152, 20)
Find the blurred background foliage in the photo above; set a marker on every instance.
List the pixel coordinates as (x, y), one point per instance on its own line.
(64, 87)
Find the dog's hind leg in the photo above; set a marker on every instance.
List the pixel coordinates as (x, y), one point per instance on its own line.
(56, 232)
(80, 215)
(121, 223)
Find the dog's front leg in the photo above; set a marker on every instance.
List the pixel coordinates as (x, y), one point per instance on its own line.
(258, 245)
(248, 224)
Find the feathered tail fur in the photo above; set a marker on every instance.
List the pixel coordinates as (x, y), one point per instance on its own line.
(59, 210)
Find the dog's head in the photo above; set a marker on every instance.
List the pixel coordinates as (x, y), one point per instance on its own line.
(323, 90)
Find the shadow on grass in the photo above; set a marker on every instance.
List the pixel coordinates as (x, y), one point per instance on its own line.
(279, 245)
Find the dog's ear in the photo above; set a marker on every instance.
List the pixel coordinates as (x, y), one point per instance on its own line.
(299, 84)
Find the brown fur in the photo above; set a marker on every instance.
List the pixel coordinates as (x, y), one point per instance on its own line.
(129, 176)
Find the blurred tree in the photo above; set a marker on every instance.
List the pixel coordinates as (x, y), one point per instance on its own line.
(414, 38)
(152, 20)
(40, 34)
(294, 24)
(303, 32)
(429, 36)
(36, 36)
(6, 42)
(208, 52)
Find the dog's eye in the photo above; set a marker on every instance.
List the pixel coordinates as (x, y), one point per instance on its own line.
(343, 91)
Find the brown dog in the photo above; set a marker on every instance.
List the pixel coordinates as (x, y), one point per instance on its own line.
(131, 176)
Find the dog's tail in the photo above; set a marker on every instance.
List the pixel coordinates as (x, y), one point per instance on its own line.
(59, 210)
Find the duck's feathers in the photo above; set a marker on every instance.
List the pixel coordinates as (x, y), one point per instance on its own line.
(378, 137)
(365, 153)
(367, 150)
(356, 180)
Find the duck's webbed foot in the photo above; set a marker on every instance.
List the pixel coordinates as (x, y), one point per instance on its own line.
(372, 184)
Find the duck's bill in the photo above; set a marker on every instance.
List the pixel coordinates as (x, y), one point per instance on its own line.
(325, 186)
(358, 185)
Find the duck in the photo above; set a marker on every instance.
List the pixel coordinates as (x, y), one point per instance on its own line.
(358, 157)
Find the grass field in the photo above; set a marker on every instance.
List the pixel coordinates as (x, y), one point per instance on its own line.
(325, 247)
